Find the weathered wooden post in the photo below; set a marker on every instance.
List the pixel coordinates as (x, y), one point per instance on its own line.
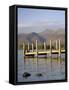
(50, 47)
(36, 48)
(59, 48)
(56, 45)
(28, 47)
(44, 46)
(32, 47)
(23, 49)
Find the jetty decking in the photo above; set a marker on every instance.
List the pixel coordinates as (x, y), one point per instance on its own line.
(58, 50)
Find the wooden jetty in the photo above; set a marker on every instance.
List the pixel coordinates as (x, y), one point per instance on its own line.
(36, 51)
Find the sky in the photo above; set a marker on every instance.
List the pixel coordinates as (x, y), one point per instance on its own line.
(38, 20)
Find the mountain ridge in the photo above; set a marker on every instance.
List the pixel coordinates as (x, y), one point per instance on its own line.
(46, 35)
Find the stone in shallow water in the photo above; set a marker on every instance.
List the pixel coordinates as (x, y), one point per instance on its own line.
(39, 74)
(26, 74)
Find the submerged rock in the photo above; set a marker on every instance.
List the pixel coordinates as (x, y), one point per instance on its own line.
(26, 74)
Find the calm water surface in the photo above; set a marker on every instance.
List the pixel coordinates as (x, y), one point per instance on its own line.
(50, 68)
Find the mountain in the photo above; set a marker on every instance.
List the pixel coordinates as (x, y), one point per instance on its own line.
(31, 37)
(53, 34)
(22, 38)
(46, 35)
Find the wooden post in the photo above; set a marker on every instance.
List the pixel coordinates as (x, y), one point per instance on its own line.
(44, 46)
(28, 47)
(23, 49)
(50, 47)
(56, 45)
(36, 48)
(26, 51)
(59, 48)
(32, 47)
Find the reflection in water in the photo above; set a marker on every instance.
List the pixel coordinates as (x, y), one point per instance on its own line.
(51, 68)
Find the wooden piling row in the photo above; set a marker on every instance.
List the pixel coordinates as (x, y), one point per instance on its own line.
(57, 43)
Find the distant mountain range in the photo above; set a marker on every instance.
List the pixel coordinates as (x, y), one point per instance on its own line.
(46, 35)
(53, 35)
(31, 37)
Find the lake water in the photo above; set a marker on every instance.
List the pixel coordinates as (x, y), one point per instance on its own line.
(50, 68)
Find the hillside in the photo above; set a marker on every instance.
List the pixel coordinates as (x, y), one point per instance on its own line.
(31, 37)
(46, 35)
(53, 34)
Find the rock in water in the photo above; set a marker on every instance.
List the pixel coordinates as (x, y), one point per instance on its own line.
(26, 74)
(39, 74)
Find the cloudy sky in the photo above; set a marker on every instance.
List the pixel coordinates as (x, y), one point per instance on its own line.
(38, 20)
